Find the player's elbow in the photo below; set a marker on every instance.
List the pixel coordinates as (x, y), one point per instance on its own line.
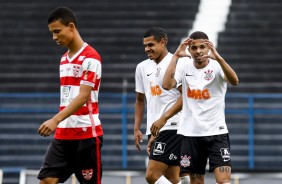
(235, 82)
(167, 86)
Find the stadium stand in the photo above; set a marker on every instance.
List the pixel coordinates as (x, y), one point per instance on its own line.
(251, 43)
(114, 28)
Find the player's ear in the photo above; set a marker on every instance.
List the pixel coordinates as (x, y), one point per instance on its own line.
(71, 25)
(164, 41)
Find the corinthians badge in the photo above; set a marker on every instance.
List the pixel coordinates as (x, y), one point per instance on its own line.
(208, 75)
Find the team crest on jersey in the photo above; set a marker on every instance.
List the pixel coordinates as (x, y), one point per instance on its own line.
(208, 75)
(159, 148)
(225, 154)
(158, 72)
(185, 161)
(75, 70)
(87, 173)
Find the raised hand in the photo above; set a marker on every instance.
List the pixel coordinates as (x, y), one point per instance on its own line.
(213, 52)
(182, 49)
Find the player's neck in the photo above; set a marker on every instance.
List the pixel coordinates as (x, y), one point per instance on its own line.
(75, 46)
(162, 56)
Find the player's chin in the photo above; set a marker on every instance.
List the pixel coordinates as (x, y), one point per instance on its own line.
(151, 57)
(60, 44)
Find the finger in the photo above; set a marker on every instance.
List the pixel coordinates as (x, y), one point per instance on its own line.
(152, 130)
(148, 150)
(137, 145)
(140, 138)
(206, 56)
(45, 131)
(40, 129)
(157, 133)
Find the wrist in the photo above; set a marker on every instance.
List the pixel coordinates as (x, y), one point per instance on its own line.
(176, 56)
(220, 59)
(56, 119)
(136, 129)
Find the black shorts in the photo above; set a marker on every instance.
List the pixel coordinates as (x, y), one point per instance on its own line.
(166, 148)
(196, 150)
(81, 157)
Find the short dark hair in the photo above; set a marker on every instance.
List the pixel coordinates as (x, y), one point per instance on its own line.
(157, 32)
(64, 14)
(198, 35)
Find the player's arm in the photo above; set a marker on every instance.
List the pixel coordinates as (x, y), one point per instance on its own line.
(157, 125)
(229, 74)
(50, 125)
(169, 81)
(139, 111)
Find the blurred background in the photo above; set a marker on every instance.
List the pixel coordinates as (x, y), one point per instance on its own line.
(247, 34)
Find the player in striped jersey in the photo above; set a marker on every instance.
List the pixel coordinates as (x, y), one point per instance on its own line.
(76, 146)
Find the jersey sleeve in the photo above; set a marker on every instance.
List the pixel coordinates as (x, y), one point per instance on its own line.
(91, 72)
(139, 87)
(179, 71)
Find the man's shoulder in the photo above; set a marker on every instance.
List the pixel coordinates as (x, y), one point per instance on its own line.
(145, 62)
(90, 52)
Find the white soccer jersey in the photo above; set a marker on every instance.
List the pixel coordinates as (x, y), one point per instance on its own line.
(203, 92)
(83, 68)
(148, 80)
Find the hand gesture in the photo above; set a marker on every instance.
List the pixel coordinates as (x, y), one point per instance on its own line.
(213, 52)
(182, 49)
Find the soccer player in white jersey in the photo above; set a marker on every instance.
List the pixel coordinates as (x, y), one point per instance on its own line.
(163, 110)
(204, 81)
(76, 146)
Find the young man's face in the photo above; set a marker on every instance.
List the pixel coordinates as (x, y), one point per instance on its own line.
(154, 49)
(62, 34)
(197, 49)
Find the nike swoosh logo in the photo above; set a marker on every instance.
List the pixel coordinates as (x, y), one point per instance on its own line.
(149, 74)
(189, 75)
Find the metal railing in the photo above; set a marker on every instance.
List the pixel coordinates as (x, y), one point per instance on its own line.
(250, 105)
